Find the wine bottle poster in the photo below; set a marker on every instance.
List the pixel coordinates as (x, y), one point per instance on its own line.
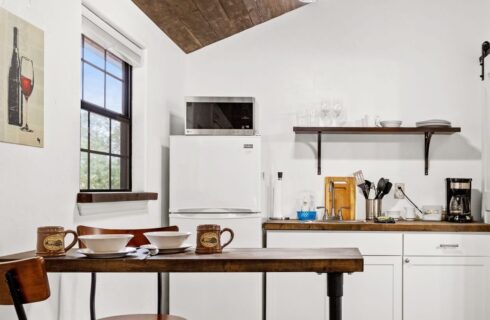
(21, 81)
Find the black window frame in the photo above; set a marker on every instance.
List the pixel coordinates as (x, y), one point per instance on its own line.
(124, 117)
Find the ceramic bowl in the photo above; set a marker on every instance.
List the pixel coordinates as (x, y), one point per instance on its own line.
(106, 242)
(391, 123)
(167, 239)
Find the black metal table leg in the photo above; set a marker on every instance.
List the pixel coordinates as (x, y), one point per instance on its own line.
(93, 286)
(16, 295)
(335, 291)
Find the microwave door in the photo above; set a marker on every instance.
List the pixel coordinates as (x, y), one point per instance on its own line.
(215, 174)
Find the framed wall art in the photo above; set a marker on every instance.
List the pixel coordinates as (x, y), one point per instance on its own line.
(21, 81)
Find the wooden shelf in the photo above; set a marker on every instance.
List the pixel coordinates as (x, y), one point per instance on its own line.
(375, 130)
(94, 197)
(426, 131)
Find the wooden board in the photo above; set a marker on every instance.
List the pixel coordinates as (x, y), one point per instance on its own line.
(194, 24)
(345, 196)
(321, 260)
(400, 226)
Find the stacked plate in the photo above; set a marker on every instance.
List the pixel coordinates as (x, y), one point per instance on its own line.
(433, 123)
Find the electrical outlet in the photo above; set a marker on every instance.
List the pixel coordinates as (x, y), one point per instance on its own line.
(398, 194)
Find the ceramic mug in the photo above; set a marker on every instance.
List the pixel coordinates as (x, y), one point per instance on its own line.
(209, 238)
(51, 241)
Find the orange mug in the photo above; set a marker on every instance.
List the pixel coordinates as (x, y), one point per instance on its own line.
(209, 238)
(51, 241)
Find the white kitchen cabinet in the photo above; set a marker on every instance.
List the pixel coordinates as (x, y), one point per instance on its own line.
(375, 293)
(449, 288)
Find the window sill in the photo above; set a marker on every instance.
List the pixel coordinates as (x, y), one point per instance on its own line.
(114, 203)
(97, 197)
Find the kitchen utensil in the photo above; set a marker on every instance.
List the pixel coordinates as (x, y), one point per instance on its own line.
(108, 243)
(391, 123)
(209, 238)
(51, 241)
(381, 186)
(361, 183)
(167, 239)
(386, 189)
(373, 208)
(340, 192)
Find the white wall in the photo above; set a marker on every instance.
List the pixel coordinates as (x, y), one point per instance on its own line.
(39, 186)
(407, 60)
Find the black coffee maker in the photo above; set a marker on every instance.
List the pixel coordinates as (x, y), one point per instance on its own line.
(458, 200)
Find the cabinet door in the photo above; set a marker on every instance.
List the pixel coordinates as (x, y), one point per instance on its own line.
(372, 294)
(449, 288)
(293, 296)
(375, 293)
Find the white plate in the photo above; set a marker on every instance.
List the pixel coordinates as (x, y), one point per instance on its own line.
(107, 255)
(180, 249)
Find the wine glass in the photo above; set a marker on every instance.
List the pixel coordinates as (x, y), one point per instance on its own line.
(26, 84)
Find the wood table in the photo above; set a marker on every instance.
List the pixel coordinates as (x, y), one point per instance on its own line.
(333, 261)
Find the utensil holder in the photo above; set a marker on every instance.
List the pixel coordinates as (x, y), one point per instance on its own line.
(373, 208)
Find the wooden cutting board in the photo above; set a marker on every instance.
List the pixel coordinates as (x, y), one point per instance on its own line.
(345, 196)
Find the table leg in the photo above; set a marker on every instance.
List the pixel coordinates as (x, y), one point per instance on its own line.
(335, 283)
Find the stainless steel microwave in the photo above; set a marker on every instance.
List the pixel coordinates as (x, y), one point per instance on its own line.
(220, 116)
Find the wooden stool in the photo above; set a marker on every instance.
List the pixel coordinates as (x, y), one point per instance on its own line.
(24, 281)
(144, 317)
(138, 240)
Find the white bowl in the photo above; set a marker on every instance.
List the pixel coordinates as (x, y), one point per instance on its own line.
(167, 239)
(106, 242)
(391, 123)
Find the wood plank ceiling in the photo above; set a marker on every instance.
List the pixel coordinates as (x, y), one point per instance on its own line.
(194, 24)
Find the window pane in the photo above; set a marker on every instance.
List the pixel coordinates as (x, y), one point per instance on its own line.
(115, 173)
(93, 85)
(84, 129)
(83, 170)
(114, 89)
(99, 171)
(115, 137)
(114, 66)
(99, 132)
(93, 53)
(125, 173)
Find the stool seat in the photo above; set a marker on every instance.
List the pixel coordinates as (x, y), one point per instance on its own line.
(144, 317)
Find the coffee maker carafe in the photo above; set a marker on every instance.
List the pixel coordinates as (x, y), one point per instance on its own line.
(458, 199)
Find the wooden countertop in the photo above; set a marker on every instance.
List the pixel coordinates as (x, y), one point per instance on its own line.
(323, 260)
(400, 226)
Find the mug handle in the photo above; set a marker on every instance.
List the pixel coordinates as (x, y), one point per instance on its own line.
(232, 235)
(75, 239)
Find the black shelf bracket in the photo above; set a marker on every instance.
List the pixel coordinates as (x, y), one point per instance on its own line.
(319, 154)
(485, 51)
(428, 137)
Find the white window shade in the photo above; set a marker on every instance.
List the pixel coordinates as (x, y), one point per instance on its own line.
(94, 27)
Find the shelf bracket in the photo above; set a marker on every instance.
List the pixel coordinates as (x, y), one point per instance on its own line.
(319, 153)
(485, 51)
(428, 137)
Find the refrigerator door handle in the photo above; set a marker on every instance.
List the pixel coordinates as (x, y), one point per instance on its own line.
(213, 210)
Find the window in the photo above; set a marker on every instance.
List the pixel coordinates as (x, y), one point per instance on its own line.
(105, 157)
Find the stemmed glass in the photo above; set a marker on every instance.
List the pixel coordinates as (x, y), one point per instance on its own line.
(26, 84)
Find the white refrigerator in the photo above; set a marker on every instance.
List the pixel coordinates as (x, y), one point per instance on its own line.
(217, 180)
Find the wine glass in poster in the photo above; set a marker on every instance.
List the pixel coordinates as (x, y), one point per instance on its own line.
(21, 104)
